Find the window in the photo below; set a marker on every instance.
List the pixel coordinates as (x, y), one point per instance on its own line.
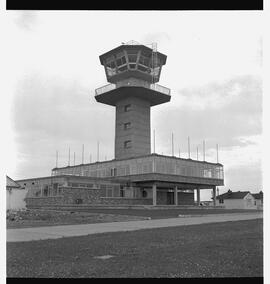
(127, 144)
(127, 125)
(127, 107)
(110, 66)
(143, 60)
(132, 55)
(143, 69)
(221, 201)
(144, 193)
(122, 193)
(113, 172)
(132, 66)
(46, 190)
(121, 61)
(116, 190)
(122, 68)
(109, 192)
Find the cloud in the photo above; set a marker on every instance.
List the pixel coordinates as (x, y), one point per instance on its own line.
(157, 37)
(26, 19)
(221, 113)
(50, 114)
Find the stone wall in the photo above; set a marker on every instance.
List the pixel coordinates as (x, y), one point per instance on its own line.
(81, 195)
(72, 196)
(123, 201)
(43, 201)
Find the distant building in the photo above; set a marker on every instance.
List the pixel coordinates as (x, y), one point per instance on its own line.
(258, 199)
(15, 195)
(238, 200)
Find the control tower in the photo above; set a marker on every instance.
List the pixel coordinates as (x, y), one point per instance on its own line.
(132, 70)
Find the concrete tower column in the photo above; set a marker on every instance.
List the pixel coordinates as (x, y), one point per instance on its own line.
(175, 195)
(154, 190)
(198, 196)
(214, 195)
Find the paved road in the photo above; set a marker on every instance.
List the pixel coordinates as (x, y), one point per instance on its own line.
(55, 232)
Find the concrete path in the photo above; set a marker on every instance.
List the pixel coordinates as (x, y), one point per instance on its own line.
(55, 232)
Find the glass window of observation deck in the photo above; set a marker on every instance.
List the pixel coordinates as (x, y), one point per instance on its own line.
(121, 62)
(132, 55)
(110, 66)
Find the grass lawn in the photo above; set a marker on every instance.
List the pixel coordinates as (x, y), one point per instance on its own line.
(229, 249)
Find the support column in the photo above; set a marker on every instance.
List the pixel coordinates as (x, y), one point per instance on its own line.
(175, 195)
(154, 194)
(214, 195)
(198, 196)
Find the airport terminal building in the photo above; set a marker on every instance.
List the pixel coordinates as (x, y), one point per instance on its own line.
(136, 176)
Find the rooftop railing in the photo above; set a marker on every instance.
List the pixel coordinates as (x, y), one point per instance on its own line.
(155, 87)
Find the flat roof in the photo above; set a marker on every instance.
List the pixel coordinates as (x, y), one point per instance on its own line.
(137, 157)
(135, 46)
(68, 176)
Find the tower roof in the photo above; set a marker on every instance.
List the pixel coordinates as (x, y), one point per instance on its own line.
(122, 47)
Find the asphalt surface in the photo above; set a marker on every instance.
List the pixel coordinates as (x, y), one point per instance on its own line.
(55, 232)
(157, 213)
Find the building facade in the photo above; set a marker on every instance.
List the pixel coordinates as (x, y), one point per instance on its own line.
(15, 195)
(141, 177)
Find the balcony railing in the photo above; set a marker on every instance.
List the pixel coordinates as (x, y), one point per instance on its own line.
(155, 87)
(105, 89)
(160, 89)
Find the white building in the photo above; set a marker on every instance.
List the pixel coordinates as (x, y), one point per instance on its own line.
(237, 200)
(15, 195)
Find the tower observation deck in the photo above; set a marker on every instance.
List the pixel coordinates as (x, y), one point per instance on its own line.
(132, 71)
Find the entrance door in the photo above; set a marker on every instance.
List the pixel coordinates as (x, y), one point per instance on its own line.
(170, 198)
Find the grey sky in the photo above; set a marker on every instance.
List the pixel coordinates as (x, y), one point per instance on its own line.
(213, 69)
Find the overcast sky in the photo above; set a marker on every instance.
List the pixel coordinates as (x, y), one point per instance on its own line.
(214, 71)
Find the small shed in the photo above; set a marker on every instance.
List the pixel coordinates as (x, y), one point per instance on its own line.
(15, 195)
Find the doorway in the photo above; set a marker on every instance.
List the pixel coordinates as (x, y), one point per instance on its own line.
(170, 198)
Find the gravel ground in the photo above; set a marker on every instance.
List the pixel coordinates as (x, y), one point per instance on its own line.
(230, 249)
(40, 218)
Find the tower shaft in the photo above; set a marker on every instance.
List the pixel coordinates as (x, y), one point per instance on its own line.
(133, 71)
(132, 128)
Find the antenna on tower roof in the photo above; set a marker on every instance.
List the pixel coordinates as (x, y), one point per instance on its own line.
(56, 162)
(188, 147)
(132, 42)
(154, 61)
(82, 153)
(98, 151)
(204, 150)
(69, 156)
(172, 145)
